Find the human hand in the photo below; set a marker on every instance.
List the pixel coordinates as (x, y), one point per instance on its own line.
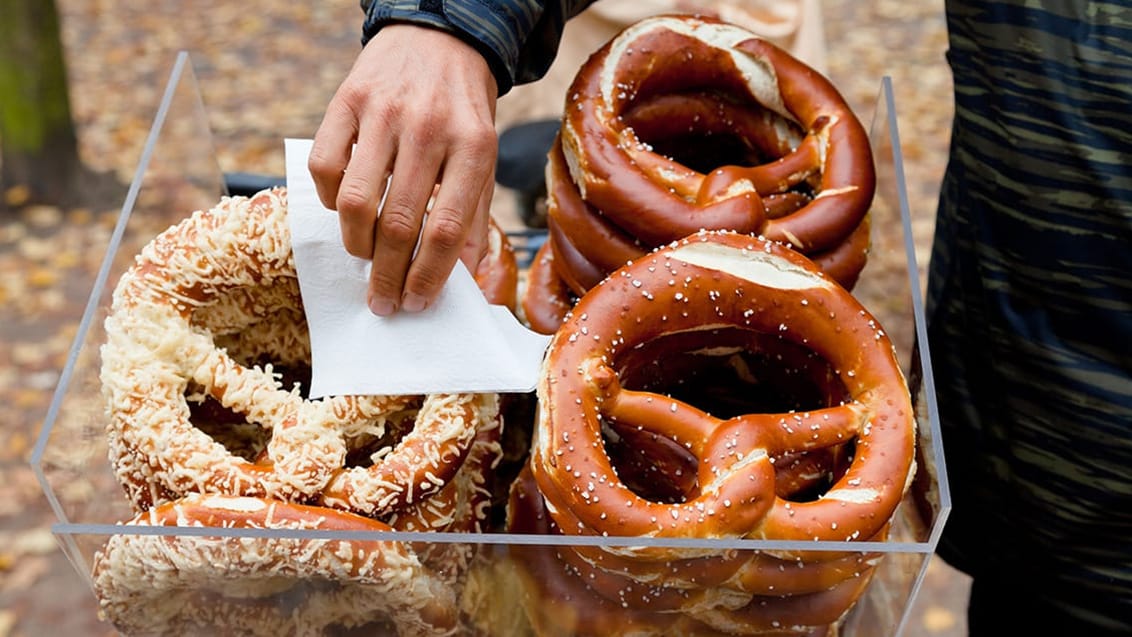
(414, 118)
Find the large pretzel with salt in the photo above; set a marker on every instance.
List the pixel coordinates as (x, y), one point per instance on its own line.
(270, 586)
(569, 595)
(225, 271)
(704, 282)
(589, 245)
(657, 199)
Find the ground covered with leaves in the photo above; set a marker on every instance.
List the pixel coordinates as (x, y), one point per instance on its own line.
(266, 72)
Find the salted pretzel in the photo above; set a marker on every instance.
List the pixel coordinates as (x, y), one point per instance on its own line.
(547, 299)
(297, 584)
(226, 276)
(711, 581)
(565, 596)
(559, 603)
(683, 123)
(725, 371)
(707, 281)
(498, 272)
(657, 199)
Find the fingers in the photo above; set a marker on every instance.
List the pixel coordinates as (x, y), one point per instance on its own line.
(446, 229)
(330, 152)
(362, 187)
(400, 124)
(399, 226)
(476, 246)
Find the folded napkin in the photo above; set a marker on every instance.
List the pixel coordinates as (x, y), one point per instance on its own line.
(459, 344)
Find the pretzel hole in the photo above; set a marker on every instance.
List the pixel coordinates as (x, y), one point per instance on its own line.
(228, 427)
(725, 372)
(259, 326)
(699, 132)
(364, 449)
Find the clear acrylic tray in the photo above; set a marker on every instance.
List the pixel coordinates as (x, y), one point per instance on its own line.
(178, 173)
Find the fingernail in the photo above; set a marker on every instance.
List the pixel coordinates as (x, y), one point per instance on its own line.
(414, 303)
(382, 307)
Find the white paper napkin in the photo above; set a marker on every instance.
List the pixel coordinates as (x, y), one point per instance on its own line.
(458, 344)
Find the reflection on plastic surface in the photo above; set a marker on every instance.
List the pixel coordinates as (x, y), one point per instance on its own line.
(310, 578)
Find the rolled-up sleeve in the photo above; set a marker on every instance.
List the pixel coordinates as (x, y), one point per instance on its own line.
(518, 38)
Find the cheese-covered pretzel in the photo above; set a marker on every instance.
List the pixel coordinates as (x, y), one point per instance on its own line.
(462, 506)
(229, 271)
(292, 585)
(704, 282)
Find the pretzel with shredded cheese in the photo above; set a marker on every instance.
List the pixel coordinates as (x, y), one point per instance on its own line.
(284, 584)
(462, 506)
(226, 276)
(704, 282)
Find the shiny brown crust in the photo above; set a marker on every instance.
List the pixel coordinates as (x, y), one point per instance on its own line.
(220, 273)
(176, 584)
(805, 177)
(706, 281)
(659, 200)
(565, 594)
(547, 299)
(498, 272)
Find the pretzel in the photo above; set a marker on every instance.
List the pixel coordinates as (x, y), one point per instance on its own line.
(704, 282)
(684, 123)
(462, 506)
(270, 586)
(556, 601)
(228, 271)
(547, 299)
(657, 199)
(566, 596)
(728, 371)
(497, 274)
(683, 583)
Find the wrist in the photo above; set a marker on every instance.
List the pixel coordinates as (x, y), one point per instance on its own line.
(497, 46)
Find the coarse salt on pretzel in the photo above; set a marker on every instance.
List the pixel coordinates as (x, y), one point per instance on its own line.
(217, 275)
(289, 584)
(657, 199)
(683, 123)
(708, 281)
(559, 603)
(565, 596)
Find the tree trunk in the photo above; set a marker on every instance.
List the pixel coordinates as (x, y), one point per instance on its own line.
(38, 148)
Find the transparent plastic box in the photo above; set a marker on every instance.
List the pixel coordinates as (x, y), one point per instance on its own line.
(503, 590)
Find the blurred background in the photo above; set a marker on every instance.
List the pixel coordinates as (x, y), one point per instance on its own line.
(266, 71)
